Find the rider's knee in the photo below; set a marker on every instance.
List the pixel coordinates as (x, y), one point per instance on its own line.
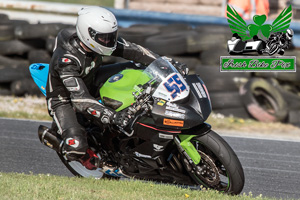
(75, 143)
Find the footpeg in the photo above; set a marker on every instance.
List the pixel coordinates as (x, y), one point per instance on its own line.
(112, 170)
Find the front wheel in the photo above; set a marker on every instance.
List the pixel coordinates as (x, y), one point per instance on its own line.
(219, 167)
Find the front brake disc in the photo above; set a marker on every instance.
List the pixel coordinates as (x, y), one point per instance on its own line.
(207, 170)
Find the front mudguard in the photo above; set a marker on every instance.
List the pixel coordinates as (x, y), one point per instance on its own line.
(198, 130)
(186, 147)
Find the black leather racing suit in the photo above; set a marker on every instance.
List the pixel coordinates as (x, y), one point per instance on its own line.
(71, 75)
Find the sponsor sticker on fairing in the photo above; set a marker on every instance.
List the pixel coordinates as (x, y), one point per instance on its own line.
(172, 88)
(199, 89)
(165, 136)
(161, 102)
(157, 147)
(174, 105)
(175, 109)
(173, 122)
(175, 114)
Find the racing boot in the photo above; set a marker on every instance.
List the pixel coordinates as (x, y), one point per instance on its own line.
(90, 160)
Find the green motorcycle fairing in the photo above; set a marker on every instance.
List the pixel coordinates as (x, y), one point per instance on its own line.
(118, 89)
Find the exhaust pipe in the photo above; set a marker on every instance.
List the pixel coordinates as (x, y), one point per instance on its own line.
(48, 139)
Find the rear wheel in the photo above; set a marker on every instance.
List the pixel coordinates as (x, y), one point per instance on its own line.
(273, 49)
(77, 169)
(219, 167)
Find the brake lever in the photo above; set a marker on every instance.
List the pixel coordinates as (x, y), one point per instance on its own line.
(131, 124)
(125, 132)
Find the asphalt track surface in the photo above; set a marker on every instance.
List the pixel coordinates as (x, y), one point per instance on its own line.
(271, 166)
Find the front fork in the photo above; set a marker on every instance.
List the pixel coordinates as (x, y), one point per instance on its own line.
(187, 149)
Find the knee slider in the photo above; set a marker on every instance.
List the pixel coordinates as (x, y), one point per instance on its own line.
(75, 143)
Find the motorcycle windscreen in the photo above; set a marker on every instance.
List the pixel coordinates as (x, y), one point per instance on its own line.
(169, 84)
(39, 72)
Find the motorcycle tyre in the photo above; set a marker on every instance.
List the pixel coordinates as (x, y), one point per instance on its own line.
(138, 35)
(14, 47)
(24, 86)
(273, 49)
(221, 82)
(224, 153)
(80, 171)
(6, 31)
(12, 69)
(224, 100)
(170, 43)
(258, 108)
(33, 31)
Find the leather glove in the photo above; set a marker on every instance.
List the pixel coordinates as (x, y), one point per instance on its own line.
(104, 115)
(181, 67)
(123, 117)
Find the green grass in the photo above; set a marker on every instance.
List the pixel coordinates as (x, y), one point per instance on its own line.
(24, 108)
(20, 186)
(25, 115)
(105, 3)
(218, 121)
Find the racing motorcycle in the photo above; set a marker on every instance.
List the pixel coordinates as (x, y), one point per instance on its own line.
(278, 42)
(167, 141)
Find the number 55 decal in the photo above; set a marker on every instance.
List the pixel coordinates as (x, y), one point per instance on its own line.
(174, 85)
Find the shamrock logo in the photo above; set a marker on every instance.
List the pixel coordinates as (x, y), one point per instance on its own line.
(258, 26)
(239, 26)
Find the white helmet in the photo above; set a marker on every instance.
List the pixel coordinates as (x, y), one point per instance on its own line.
(289, 34)
(97, 28)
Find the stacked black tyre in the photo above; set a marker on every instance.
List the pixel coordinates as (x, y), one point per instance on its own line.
(223, 88)
(22, 44)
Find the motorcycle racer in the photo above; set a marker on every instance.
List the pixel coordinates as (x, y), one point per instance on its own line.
(74, 67)
(280, 40)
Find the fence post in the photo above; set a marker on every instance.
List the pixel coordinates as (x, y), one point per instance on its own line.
(121, 4)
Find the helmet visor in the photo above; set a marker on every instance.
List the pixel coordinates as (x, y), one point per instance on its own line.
(105, 39)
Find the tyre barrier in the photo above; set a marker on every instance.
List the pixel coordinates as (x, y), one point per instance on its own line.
(31, 31)
(290, 94)
(25, 86)
(263, 101)
(217, 81)
(6, 31)
(244, 95)
(138, 34)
